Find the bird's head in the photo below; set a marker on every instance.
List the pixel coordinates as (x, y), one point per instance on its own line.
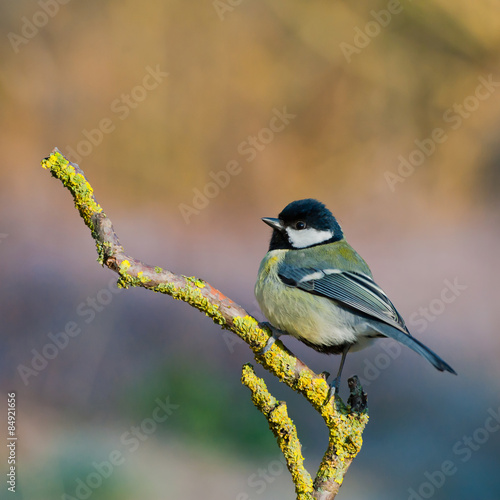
(303, 224)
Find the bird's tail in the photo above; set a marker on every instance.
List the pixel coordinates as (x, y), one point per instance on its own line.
(413, 343)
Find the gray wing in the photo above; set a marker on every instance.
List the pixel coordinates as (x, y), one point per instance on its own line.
(354, 290)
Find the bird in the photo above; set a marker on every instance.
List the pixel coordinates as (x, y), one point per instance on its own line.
(314, 286)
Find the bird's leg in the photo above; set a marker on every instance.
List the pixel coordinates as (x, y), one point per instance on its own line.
(275, 335)
(335, 385)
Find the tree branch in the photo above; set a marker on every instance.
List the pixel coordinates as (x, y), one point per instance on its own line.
(283, 429)
(345, 424)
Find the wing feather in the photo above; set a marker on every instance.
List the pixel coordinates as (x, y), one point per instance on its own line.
(355, 290)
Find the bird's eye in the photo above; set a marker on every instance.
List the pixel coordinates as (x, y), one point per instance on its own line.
(300, 225)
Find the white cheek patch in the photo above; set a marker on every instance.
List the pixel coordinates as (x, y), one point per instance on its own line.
(307, 237)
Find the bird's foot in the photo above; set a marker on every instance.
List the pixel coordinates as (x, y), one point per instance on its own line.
(334, 388)
(335, 385)
(275, 335)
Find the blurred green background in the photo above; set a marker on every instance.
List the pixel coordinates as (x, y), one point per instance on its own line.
(390, 114)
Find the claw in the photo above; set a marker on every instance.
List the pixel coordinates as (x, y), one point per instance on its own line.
(334, 387)
(275, 335)
(272, 339)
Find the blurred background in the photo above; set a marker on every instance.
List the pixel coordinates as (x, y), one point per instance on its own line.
(191, 124)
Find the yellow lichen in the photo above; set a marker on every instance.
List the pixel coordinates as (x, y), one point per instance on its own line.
(283, 428)
(199, 283)
(124, 265)
(82, 191)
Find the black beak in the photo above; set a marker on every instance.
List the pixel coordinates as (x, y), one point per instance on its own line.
(274, 223)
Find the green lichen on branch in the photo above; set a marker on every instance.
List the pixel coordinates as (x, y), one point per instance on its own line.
(83, 195)
(251, 332)
(190, 292)
(315, 389)
(345, 441)
(197, 282)
(346, 426)
(69, 174)
(282, 363)
(283, 429)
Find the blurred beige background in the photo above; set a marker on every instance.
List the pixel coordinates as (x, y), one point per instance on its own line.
(192, 122)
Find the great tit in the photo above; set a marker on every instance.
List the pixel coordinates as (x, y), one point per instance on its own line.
(313, 285)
